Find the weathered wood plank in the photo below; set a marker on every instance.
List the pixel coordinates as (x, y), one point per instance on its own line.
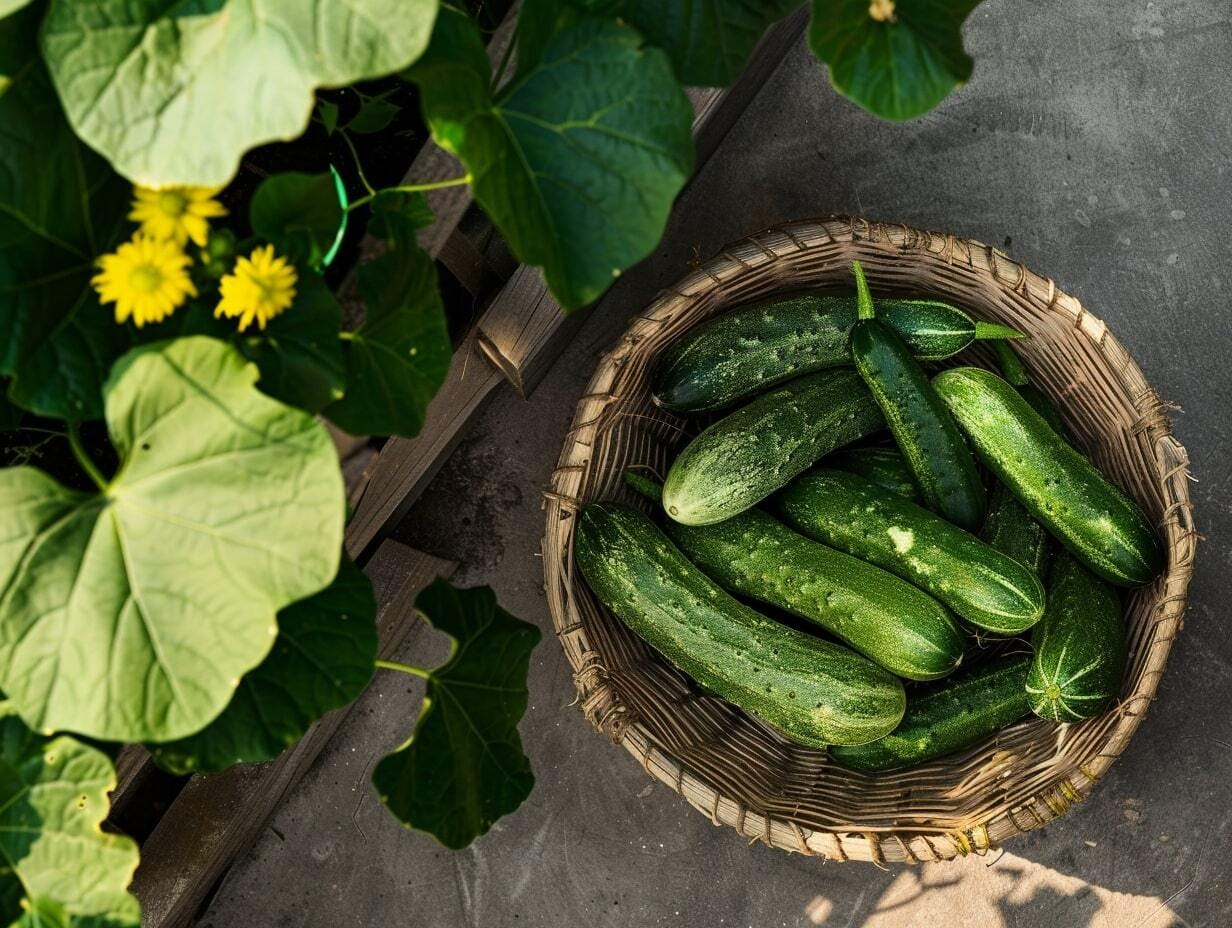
(218, 817)
(525, 330)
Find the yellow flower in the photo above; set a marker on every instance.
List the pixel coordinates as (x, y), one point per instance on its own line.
(176, 213)
(146, 279)
(260, 287)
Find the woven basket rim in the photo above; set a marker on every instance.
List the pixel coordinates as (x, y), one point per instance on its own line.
(763, 255)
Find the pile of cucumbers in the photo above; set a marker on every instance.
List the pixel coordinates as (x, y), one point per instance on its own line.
(980, 521)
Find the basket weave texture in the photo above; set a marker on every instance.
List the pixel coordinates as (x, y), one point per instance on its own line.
(727, 764)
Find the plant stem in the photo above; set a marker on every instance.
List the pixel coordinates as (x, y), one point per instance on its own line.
(1011, 366)
(79, 452)
(359, 168)
(864, 299)
(413, 188)
(405, 668)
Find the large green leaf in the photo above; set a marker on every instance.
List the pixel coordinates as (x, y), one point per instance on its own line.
(463, 768)
(398, 358)
(175, 93)
(299, 353)
(899, 63)
(12, 6)
(131, 614)
(57, 867)
(301, 214)
(323, 659)
(578, 160)
(708, 43)
(60, 206)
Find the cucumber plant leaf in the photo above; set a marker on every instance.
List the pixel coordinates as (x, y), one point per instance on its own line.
(578, 159)
(896, 58)
(398, 357)
(175, 93)
(324, 657)
(463, 767)
(57, 866)
(130, 614)
(299, 353)
(708, 43)
(301, 215)
(60, 206)
(12, 6)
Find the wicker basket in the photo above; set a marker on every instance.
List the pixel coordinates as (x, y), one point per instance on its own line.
(730, 766)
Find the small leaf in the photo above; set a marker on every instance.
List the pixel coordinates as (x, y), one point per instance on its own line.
(130, 614)
(896, 58)
(708, 43)
(463, 767)
(57, 866)
(60, 206)
(578, 160)
(398, 358)
(328, 111)
(175, 93)
(299, 354)
(375, 114)
(324, 657)
(300, 214)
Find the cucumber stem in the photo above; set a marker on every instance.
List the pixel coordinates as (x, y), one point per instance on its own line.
(1011, 365)
(986, 331)
(405, 668)
(864, 299)
(83, 458)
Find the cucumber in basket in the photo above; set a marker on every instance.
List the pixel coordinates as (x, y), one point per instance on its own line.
(814, 692)
(948, 718)
(978, 582)
(923, 427)
(1080, 646)
(886, 619)
(885, 467)
(755, 347)
(747, 455)
(1094, 519)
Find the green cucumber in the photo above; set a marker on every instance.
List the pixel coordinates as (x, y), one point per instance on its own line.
(885, 467)
(814, 692)
(1009, 527)
(1094, 519)
(978, 582)
(1080, 646)
(755, 347)
(886, 619)
(940, 461)
(747, 455)
(949, 717)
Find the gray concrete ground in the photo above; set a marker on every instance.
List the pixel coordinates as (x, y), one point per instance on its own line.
(1092, 143)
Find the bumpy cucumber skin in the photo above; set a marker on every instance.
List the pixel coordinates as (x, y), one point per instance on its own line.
(814, 692)
(948, 718)
(755, 347)
(887, 620)
(943, 467)
(1093, 518)
(1010, 529)
(747, 455)
(885, 467)
(978, 582)
(1080, 646)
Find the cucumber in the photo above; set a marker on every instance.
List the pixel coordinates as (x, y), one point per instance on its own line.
(886, 619)
(755, 347)
(746, 456)
(1094, 519)
(885, 467)
(814, 692)
(1080, 646)
(978, 582)
(948, 718)
(940, 461)
(1009, 527)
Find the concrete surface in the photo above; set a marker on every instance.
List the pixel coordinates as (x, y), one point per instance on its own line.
(1093, 143)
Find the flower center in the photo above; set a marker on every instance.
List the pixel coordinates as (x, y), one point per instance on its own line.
(172, 202)
(145, 278)
(1053, 692)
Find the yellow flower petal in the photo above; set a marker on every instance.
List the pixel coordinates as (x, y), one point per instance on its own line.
(176, 213)
(259, 287)
(146, 278)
